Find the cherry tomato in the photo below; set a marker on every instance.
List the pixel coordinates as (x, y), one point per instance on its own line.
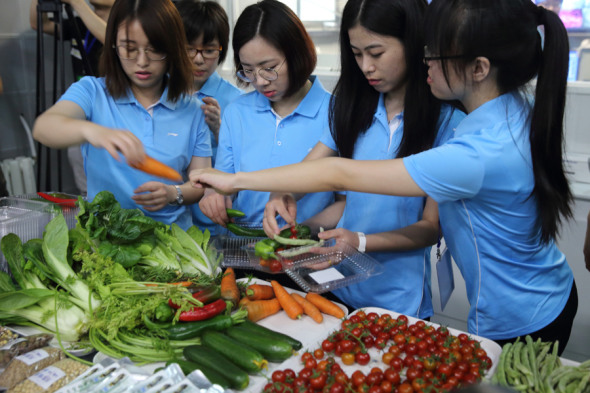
(387, 357)
(394, 349)
(375, 389)
(402, 319)
(347, 358)
(289, 374)
(405, 388)
(328, 346)
(275, 266)
(311, 363)
(337, 387)
(396, 363)
(374, 379)
(386, 386)
(346, 345)
(318, 354)
(412, 374)
(317, 382)
(305, 373)
(341, 377)
(278, 376)
(358, 378)
(305, 356)
(372, 316)
(362, 358)
(392, 376)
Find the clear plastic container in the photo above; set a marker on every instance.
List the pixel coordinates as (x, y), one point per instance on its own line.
(238, 252)
(25, 218)
(69, 213)
(331, 266)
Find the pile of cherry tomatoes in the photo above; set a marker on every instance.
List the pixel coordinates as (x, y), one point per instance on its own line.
(403, 357)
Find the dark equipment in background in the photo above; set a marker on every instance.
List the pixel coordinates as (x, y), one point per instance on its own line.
(46, 156)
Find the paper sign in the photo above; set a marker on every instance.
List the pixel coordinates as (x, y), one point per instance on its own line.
(326, 275)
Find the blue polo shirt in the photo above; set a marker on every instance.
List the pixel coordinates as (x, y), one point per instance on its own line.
(173, 134)
(224, 92)
(404, 287)
(251, 140)
(482, 180)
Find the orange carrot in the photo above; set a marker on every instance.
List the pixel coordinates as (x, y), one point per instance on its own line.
(291, 307)
(259, 309)
(259, 292)
(154, 167)
(229, 287)
(309, 308)
(326, 306)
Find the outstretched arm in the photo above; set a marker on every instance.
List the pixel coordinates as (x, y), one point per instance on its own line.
(388, 177)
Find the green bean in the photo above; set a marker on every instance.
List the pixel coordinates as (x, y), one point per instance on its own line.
(583, 383)
(532, 359)
(500, 375)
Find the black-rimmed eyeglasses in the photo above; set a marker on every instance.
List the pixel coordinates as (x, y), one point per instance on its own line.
(207, 53)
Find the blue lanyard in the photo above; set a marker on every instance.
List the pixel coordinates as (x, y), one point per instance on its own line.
(88, 47)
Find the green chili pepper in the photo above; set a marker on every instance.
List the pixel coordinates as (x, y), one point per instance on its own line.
(231, 213)
(265, 249)
(164, 313)
(246, 232)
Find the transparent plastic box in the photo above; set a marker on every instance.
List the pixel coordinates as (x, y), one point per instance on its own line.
(69, 213)
(331, 266)
(238, 252)
(25, 218)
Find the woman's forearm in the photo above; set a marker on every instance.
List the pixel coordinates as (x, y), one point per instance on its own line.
(387, 177)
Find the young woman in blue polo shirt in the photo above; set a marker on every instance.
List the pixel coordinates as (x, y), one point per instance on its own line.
(142, 105)
(375, 117)
(281, 120)
(207, 32)
(499, 183)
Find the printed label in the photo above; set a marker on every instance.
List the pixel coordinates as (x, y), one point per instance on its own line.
(47, 377)
(33, 357)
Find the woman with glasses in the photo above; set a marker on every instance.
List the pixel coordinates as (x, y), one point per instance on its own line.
(499, 182)
(141, 106)
(281, 120)
(375, 116)
(207, 33)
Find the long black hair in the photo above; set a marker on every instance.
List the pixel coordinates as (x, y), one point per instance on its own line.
(506, 33)
(354, 101)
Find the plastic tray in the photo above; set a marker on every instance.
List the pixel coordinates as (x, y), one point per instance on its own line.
(331, 266)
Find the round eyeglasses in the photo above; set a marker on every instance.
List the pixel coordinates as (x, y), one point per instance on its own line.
(269, 74)
(126, 52)
(207, 53)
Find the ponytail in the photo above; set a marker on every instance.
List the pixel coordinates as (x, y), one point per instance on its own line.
(551, 190)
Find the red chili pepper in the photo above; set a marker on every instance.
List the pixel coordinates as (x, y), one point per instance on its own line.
(200, 313)
(60, 201)
(205, 296)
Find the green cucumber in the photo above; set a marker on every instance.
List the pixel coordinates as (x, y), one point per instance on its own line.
(212, 375)
(242, 355)
(187, 330)
(274, 350)
(245, 232)
(205, 356)
(253, 326)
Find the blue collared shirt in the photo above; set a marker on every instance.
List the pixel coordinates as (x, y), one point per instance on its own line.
(482, 180)
(174, 133)
(404, 287)
(250, 140)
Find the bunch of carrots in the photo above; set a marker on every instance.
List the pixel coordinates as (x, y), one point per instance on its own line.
(263, 300)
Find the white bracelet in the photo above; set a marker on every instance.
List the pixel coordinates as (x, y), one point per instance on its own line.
(362, 241)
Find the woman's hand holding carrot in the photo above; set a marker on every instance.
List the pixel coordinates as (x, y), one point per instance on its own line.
(291, 307)
(326, 306)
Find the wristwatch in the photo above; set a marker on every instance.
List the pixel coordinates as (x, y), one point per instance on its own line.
(179, 197)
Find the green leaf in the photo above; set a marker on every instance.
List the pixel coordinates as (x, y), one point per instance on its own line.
(24, 298)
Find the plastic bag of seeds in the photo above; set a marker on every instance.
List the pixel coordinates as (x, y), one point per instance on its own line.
(51, 378)
(25, 365)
